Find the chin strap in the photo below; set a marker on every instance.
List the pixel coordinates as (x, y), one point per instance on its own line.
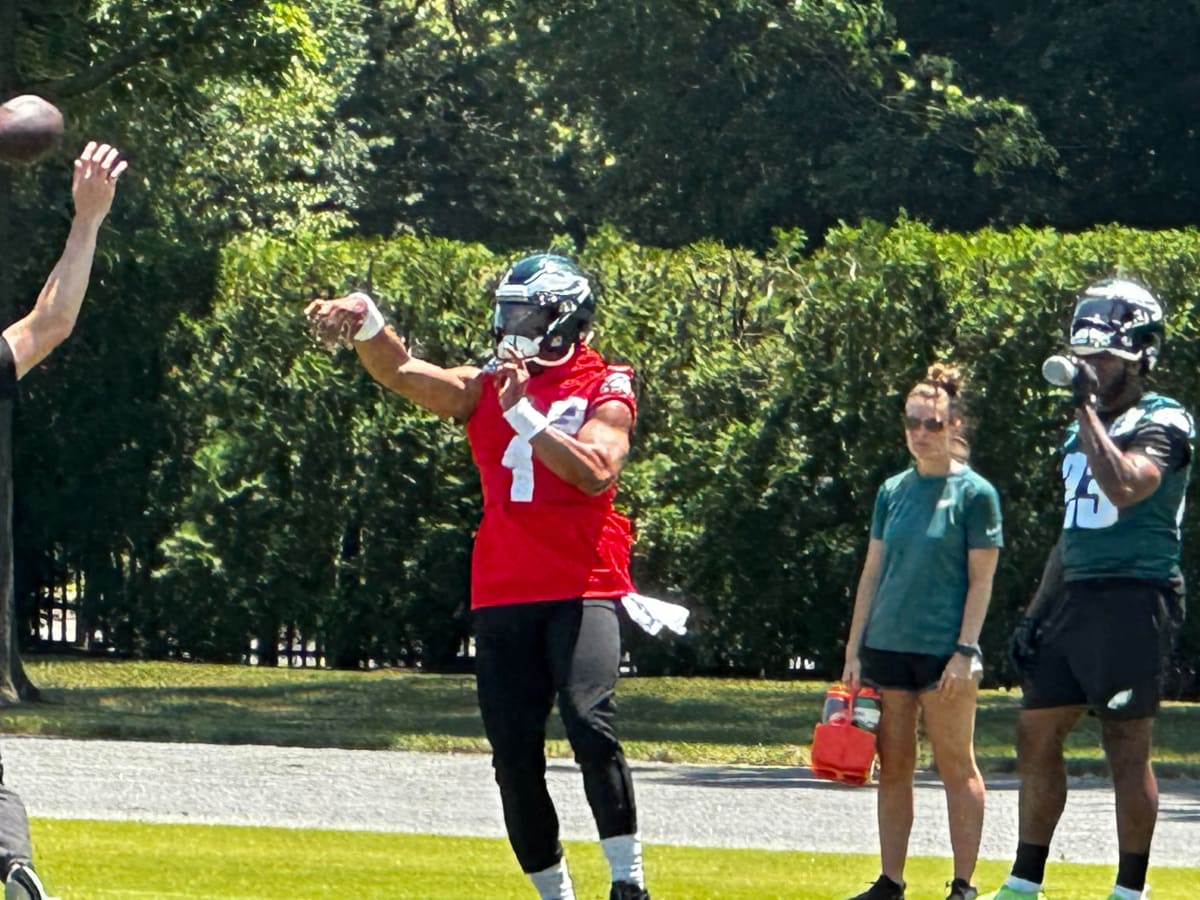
(551, 363)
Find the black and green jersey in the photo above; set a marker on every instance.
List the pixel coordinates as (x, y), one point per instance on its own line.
(928, 526)
(1140, 541)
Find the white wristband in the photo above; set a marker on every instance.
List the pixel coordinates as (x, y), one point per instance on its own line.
(526, 421)
(373, 324)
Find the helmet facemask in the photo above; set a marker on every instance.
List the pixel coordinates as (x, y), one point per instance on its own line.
(520, 328)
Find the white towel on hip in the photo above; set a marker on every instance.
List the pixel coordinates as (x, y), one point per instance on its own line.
(653, 615)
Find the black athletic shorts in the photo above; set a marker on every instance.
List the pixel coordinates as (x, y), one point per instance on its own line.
(899, 671)
(1104, 645)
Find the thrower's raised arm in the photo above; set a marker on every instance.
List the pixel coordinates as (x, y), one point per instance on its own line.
(354, 320)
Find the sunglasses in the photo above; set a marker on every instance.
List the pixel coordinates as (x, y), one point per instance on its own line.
(933, 426)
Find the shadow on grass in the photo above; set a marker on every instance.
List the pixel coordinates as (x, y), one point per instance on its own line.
(766, 725)
(393, 710)
(374, 714)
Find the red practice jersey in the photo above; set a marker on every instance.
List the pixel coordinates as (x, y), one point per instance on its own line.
(541, 538)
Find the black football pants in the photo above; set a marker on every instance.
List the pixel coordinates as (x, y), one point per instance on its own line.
(527, 656)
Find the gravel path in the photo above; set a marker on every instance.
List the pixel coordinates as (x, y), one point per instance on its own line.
(711, 806)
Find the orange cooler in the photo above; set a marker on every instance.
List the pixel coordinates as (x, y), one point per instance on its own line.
(841, 750)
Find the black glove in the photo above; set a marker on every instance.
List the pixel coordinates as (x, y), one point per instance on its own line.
(1085, 384)
(1023, 648)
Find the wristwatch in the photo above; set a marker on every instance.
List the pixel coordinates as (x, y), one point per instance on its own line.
(969, 650)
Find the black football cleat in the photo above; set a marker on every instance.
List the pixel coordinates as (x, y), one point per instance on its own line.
(883, 889)
(627, 890)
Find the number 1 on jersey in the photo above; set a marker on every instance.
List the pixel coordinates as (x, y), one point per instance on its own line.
(567, 415)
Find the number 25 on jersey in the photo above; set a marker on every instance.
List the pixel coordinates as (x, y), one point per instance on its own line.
(1086, 505)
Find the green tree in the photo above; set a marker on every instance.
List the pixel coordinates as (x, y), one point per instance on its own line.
(677, 123)
(1111, 85)
(463, 145)
(317, 504)
(227, 113)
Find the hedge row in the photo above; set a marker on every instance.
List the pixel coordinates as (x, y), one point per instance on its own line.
(293, 492)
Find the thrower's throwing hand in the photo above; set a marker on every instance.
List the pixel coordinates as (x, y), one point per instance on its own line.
(335, 323)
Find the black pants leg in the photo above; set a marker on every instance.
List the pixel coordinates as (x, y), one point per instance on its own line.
(516, 694)
(526, 656)
(587, 706)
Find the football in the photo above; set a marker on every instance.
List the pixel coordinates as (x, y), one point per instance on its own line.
(30, 127)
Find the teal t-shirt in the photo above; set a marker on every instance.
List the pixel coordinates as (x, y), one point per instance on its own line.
(927, 525)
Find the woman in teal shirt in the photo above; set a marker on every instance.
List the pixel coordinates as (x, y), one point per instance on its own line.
(921, 601)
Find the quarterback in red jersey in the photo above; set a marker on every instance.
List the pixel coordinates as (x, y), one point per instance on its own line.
(548, 422)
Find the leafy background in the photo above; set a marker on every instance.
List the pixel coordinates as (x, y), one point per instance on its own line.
(793, 207)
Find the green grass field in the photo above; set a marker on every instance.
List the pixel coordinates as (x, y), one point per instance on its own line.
(695, 720)
(111, 860)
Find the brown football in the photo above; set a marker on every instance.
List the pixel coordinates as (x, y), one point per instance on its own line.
(30, 127)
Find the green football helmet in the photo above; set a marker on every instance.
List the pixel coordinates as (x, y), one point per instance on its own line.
(544, 306)
(1120, 317)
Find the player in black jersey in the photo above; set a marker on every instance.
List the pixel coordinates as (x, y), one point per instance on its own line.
(1111, 593)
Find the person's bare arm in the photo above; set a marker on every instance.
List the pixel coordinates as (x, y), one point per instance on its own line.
(94, 183)
(1026, 636)
(981, 572)
(1051, 584)
(868, 583)
(1125, 477)
(450, 392)
(590, 460)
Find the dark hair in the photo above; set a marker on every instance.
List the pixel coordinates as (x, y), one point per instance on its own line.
(946, 378)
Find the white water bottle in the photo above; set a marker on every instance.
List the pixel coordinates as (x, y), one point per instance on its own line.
(1059, 370)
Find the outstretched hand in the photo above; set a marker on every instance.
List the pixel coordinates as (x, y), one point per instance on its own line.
(94, 183)
(333, 323)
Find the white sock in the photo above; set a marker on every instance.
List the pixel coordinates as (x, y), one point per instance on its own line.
(624, 854)
(1124, 893)
(554, 883)
(1020, 884)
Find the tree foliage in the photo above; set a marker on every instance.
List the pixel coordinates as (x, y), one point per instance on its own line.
(206, 480)
(228, 115)
(1111, 85)
(694, 120)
